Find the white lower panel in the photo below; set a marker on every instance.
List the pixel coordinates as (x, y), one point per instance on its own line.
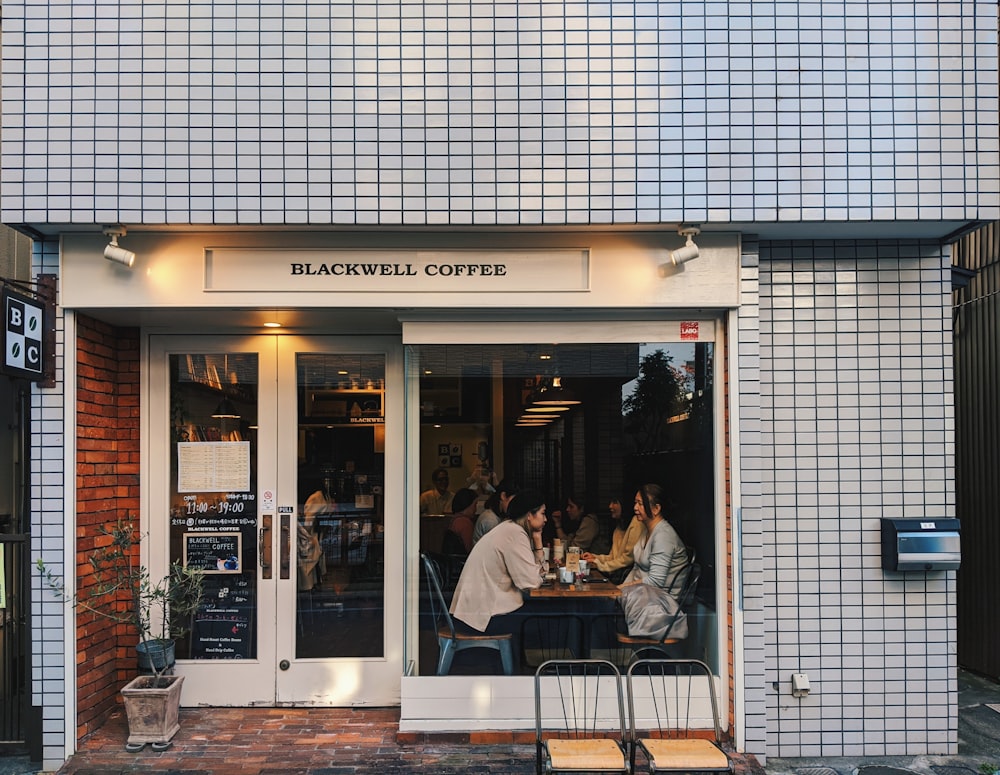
(464, 703)
(471, 703)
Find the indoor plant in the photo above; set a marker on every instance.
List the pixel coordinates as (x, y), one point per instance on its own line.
(158, 610)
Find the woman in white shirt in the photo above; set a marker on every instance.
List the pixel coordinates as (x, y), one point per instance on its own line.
(503, 565)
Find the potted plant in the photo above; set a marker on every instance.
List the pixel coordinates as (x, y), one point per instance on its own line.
(158, 611)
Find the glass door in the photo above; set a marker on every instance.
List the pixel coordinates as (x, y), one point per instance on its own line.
(273, 476)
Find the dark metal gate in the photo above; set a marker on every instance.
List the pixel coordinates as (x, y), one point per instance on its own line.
(14, 655)
(20, 722)
(976, 299)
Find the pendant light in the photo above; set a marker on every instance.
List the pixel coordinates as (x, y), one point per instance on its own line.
(553, 397)
(226, 408)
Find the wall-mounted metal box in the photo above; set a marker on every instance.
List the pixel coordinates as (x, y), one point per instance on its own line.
(920, 544)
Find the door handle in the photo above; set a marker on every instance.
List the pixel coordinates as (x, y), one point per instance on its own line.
(285, 547)
(264, 546)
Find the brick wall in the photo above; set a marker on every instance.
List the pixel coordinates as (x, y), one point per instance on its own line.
(107, 489)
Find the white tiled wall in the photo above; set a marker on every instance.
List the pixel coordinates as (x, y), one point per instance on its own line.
(468, 113)
(541, 112)
(856, 424)
(748, 593)
(52, 674)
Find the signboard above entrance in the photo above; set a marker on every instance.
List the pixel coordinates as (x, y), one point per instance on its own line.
(357, 270)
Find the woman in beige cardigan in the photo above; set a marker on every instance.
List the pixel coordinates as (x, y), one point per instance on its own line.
(503, 566)
(628, 531)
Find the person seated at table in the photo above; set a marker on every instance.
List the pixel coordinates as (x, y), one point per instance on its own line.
(660, 557)
(437, 500)
(578, 527)
(618, 562)
(502, 567)
(496, 509)
(458, 535)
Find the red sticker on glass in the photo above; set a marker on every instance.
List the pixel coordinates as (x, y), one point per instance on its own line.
(689, 329)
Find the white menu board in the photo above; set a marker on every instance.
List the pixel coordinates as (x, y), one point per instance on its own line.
(213, 466)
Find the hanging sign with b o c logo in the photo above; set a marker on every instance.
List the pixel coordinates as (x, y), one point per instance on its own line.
(23, 335)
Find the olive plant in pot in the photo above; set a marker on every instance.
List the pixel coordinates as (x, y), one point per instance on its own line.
(157, 610)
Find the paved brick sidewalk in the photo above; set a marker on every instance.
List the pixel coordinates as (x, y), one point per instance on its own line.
(311, 741)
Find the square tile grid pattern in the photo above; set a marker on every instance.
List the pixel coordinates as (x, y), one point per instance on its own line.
(484, 113)
(856, 423)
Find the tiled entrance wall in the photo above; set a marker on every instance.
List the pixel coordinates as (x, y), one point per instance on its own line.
(856, 424)
(51, 657)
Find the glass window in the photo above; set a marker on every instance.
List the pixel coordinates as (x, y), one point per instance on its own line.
(339, 533)
(213, 506)
(585, 425)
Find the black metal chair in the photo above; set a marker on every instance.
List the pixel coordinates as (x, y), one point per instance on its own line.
(580, 717)
(553, 636)
(674, 716)
(451, 640)
(641, 645)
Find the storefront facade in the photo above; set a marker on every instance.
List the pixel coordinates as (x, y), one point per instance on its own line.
(356, 417)
(358, 260)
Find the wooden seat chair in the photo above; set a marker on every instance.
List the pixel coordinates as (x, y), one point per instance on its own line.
(580, 717)
(660, 647)
(674, 716)
(451, 640)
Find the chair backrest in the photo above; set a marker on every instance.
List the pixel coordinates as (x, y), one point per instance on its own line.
(579, 699)
(685, 598)
(672, 698)
(439, 608)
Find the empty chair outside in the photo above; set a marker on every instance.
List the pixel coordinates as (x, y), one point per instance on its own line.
(674, 716)
(579, 717)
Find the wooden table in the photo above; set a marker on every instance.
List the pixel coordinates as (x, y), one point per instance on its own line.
(595, 586)
(567, 602)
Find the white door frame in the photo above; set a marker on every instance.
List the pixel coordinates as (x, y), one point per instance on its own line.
(260, 681)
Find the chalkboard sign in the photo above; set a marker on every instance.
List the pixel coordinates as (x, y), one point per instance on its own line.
(223, 626)
(214, 552)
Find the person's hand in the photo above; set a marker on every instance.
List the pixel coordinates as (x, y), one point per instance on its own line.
(588, 556)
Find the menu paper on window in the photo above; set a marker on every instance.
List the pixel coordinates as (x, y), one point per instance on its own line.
(213, 466)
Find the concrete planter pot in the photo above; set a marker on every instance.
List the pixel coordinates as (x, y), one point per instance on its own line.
(152, 705)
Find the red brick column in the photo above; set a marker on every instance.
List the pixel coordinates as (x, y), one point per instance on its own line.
(107, 489)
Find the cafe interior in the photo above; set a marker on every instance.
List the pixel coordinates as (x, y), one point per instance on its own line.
(588, 421)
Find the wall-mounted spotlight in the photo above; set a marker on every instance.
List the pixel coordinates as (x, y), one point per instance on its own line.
(682, 255)
(115, 253)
